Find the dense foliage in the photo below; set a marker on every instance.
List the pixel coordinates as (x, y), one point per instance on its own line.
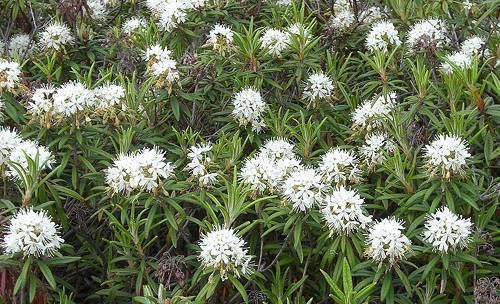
(196, 151)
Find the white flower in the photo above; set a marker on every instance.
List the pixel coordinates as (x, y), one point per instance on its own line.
(372, 113)
(32, 233)
(9, 140)
(28, 149)
(382, 35)
(386, 241)
(223, 251)
(446, 231)
(277, 149)
(19, 44)
(199, 163)
(282, 3)
(339, 166)
(108, 95)
(142, 170)
(98, 9)
(299, 30)
(249, 107)
(42, 101)
(275, 41)
(446, 155)
(220, 37)
(267, 170)
(303, 189)
(342, 5)
(342, 211)
(372, 14)
(172, 13)
(208, 179)
(198, 151)
(254, 173)
(427, 34)
(10, 75)
(133, 25)
(474, 47)
(264, 171)
(160, 63)
(374, 149)
(458, 60)
(71, 98)
(342, 20)
(56, 36)
(467, 5)
(318, 86)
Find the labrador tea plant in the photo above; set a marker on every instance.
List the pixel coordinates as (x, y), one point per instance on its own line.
(261, 152)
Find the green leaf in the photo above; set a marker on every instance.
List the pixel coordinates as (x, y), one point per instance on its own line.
(346, 278)
(429, 267)
(47, 274)
(334, 288)
(386, 286)
(239, 287)
(21, 280)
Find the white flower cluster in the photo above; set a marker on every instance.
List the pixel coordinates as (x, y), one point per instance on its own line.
(342, 20)
(446, 231)
(428, 34)
(298, 29)
(224, 251)
(304, 189)
(63, 102)
(281, 3)
(372, 14)
(9, 140)
(32, 233)
(220, 37)
(386, 241)
(56, 36)
(318, 86)
(275, 41)
(344, 17)
(270, 166)
(249, 107)
(49, 103)
(372, 113)
(474, 46)
(198, 164)
(467, 5)
(338, 166)
(108, 95)
(374, 149)
(133, 25)
(10, 75)
(20, 44)
(32, 150)
(172, 13)
(462, 59)
(458, 60)
(160, 63)
(98, 9)
(15, 150)
(142, 170)
(342, 210)
(382, 35)
(446, 155)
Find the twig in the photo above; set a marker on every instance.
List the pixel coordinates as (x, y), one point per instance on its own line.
(277, 255)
